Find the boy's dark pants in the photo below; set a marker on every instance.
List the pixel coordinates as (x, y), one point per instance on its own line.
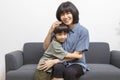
(42, 75)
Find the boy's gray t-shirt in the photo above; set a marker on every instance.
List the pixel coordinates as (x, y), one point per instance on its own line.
(54, 51)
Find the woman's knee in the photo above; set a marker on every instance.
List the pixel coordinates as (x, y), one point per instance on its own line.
(70, 72)
(58, 70)
(58, 66)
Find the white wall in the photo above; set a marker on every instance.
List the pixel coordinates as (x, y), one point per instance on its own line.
(29, 20)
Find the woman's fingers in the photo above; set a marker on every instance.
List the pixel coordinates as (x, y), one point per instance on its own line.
(54, 25)
(57, 23)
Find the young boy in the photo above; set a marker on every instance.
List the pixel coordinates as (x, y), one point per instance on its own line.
(55, 51)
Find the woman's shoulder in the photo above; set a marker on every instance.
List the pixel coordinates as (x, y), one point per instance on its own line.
(81, 28)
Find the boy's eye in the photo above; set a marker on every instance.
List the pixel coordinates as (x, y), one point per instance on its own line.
(62, 34)
(65, 33)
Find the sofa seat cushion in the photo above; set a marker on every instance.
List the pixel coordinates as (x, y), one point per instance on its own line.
(101, 72)
(26, 72)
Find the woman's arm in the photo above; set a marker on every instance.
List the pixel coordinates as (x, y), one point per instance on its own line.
(47, 40)
(49, 35)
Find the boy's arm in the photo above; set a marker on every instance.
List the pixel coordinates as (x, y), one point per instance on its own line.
(49, 63)
(76, 54)
(61, 54)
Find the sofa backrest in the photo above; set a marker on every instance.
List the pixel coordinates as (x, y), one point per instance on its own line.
(32, 52)
(98, 52)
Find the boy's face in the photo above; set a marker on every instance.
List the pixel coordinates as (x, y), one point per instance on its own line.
(61, 37)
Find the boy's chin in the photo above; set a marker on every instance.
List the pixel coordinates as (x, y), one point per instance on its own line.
(61, 42)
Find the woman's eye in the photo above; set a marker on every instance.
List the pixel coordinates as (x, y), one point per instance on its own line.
(68, 12)
(62, 14)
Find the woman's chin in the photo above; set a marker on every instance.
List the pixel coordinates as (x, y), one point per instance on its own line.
(67, 23)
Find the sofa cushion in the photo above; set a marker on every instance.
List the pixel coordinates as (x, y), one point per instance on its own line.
(26, 72)
(32, 52)
(98, 52)
(101, 72)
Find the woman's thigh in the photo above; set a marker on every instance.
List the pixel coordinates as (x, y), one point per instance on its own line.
(73, 72)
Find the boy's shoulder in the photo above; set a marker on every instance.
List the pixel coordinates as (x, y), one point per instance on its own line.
(55, 44)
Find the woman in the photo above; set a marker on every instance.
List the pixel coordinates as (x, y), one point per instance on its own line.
(77, 42)
(55, 51)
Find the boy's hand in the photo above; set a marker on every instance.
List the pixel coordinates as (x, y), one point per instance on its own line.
(48, 64)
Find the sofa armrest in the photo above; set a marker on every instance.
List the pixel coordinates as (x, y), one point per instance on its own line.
(115, 58)
(14, 60)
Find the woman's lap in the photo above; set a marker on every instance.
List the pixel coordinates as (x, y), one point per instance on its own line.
(68, 73)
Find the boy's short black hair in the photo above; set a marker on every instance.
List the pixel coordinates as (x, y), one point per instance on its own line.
(61, 28)
(68, 7)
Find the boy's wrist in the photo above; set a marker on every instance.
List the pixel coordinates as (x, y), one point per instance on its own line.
(56, 61)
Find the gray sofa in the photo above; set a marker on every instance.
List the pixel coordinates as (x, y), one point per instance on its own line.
(103, 63)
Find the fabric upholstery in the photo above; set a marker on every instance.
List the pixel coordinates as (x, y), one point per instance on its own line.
(14, 60)
(103, 64)
(26, 72)
(32, 52)
(115, 58)
(98, 53)
(102, 72)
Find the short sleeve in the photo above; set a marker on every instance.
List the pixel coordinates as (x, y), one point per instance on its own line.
(83, 42)
(60, 53)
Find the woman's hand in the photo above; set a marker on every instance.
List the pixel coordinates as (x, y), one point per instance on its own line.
(48, 64)
(54, 25)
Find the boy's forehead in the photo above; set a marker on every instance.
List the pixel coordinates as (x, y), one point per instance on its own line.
(62, 26)
(61, 32)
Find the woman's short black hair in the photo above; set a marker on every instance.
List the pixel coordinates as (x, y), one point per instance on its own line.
(61, 28)
(68, 7)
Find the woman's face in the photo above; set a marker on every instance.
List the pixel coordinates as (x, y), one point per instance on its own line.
(67, 18)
